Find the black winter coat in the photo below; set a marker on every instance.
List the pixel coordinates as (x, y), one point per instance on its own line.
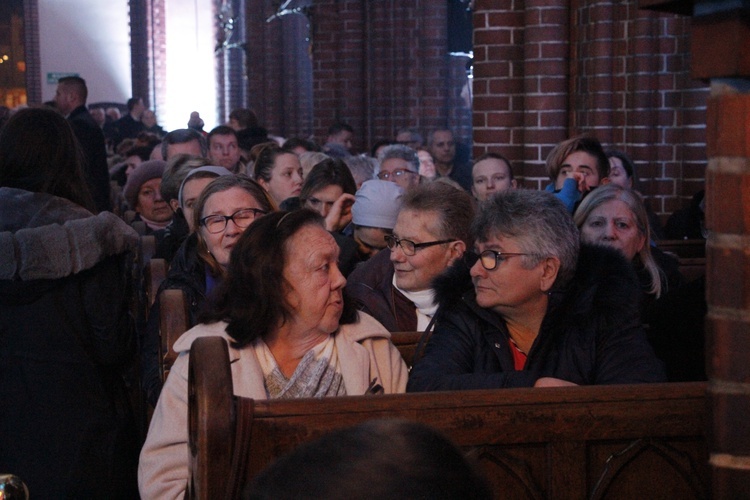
(91, 139)
(590, 335)
(187, 273)
(66, 427)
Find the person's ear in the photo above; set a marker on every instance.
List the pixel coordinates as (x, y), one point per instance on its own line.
(457, 249)
(604, 181)
(174, 205)
(550, 269)
(513, 184)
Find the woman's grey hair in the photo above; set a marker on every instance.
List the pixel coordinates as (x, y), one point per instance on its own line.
(454, 208)
(402, 152)
(611, 192)
(362, 167)
(538, 222)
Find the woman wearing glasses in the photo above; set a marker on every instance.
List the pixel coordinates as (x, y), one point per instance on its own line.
(292, 334)
(399, 164)
(431, 233)
(541, 312)
(224, 209)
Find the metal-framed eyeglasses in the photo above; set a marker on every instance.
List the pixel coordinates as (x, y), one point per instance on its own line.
(409, 247)
(490, 259)
(242, 218)
(396, 174)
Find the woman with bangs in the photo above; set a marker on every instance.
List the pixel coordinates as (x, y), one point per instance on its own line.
(226, 207)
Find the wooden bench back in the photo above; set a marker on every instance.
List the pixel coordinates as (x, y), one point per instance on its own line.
(173, 322)
(156, 272)
(407, 343)
(581, 442)
(688, 249)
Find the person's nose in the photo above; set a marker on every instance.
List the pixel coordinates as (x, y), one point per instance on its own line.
(232, 228)
(478, 270)
(397, 254)
(338, 280)
(609, 232)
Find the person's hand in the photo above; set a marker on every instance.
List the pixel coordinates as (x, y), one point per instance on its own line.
(580, 179)
(553, 382)
(341, 213)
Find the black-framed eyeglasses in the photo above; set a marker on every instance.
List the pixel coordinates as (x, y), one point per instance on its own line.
(396, 174)
(409, 247)
(490, 259)
(242, 218)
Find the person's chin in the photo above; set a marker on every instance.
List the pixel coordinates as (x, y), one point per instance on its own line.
(402, 280)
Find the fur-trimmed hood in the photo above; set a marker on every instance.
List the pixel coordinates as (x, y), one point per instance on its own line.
(44, 237)
(603, 290)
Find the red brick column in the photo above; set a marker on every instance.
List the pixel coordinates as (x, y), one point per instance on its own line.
(728, 289)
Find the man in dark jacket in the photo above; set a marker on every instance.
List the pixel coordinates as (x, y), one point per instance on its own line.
(540, 312)
(130, 125)
(70, 99)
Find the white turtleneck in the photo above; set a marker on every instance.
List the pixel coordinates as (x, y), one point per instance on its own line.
(424, 301)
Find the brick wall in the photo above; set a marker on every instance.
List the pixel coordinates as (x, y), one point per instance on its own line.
(31, 50)
(279, 71)
(148, 50)
(546, 70)
(381, 66)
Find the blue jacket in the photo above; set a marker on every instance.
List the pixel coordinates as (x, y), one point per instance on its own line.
(590, 335)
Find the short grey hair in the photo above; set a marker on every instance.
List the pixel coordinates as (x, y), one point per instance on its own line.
(453, 206)
(362, 167)
(538, 222)
(402, 152)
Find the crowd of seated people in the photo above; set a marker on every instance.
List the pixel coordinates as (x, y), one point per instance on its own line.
(306, 259)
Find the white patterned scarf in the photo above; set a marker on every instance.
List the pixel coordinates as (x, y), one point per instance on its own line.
(318, 374)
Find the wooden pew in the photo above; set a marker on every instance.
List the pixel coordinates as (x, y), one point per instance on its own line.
(407, 343)
(173, 322)
(639, 441)
(687, 249)
(156, 272)
(692, 268)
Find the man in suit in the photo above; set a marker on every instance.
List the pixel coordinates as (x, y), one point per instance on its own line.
(70, 100)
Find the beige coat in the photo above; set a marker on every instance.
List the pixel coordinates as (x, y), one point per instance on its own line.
(364, 350)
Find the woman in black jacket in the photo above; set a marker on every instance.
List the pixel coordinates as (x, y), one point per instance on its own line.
(540, 312)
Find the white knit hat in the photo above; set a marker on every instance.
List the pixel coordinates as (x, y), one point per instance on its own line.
(377, 204)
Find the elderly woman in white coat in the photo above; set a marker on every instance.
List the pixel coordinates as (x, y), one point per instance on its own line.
(291, 332)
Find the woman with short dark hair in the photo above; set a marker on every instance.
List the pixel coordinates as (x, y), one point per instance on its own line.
(292, 334)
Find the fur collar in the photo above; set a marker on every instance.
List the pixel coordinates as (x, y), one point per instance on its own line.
(47, 237)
